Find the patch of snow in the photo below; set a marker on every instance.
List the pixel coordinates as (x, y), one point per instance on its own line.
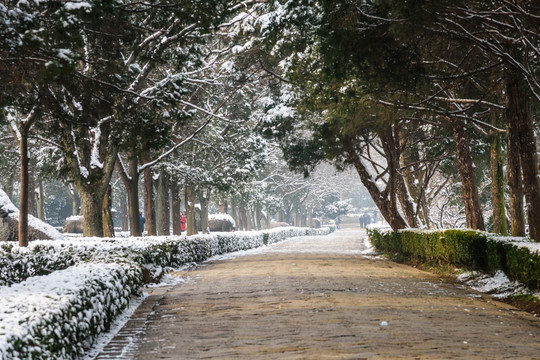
(498, 285)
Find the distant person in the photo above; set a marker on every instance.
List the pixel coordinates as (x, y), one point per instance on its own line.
(367, 220)
(361, 220)
(143, 221)
(182, 222)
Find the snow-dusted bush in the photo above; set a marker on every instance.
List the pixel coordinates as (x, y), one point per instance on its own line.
(57, 316)
(519, 258)
(43, 257)
(17, 264)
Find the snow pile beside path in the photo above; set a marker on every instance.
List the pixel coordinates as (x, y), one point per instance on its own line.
(59, 315)
(13, 212)
(498, 285)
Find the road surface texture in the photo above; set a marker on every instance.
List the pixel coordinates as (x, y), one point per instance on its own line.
(321, 298)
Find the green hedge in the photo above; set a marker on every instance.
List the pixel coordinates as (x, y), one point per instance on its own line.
(519, 258)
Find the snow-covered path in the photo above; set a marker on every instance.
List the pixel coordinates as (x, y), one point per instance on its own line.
(320, 298)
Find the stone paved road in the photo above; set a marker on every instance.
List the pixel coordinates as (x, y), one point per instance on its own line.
(321, 298)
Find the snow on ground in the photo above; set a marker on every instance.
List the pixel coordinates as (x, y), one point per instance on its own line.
(497, 285)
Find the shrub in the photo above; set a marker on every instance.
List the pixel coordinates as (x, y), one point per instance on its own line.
(519, 258)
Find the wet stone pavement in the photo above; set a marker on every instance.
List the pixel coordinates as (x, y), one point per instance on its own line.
(321, 298)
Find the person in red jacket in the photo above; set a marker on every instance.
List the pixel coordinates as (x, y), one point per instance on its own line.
(182, 222)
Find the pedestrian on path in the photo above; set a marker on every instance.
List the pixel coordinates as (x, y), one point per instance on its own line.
(182, 222)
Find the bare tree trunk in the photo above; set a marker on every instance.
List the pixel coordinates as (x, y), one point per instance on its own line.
(23, 202)
(247, 218)
(473, 210)
(31, 193)
(40, 201)
(385, 200)
(203, 200)
(497, 179)
(163, 212)
(515, 181)
(191, 196)
(268, 219)
(124, 212)
(518, 107)
(176, 204)
(131, 184)
(258, 216)
(242, 216)
(92, 205)
(75, 201)
(234, 210)
(149, 200)
(108, 224)
(223, 206)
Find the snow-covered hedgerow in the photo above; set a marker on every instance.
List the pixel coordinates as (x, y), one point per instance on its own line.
(519, 258)
(57, 316)
(43, 257)
(17, 264)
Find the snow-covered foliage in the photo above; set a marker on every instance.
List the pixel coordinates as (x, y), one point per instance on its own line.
(90, 281)
(59, 315)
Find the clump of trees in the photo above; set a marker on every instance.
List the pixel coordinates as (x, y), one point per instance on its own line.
(412, 92)
(434, 104)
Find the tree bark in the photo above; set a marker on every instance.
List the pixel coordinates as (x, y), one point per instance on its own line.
(92, 205)
(473, 210)
(521, 128)
(75, 203)
(258, 216)
(124, 212)
(242, 216)
(163, 212)
(149, 200)
(203, 200)
(234, 211)
(131, 183)
(23, 202)
(108, 224)
(40, 195)
(515, 180)
(223, 207)
(497, 179)
(176, 203)
(191, 196)
(31, 193)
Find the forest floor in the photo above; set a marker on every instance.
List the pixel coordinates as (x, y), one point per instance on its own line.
(322, 297)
